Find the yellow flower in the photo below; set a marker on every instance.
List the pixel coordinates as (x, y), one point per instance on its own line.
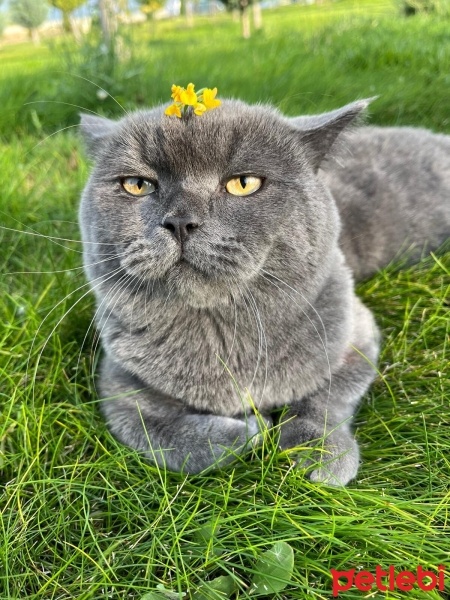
(173, 109)
(176, 91)
(199, 109)
(209, 98)
(201, 101)
(188, 96)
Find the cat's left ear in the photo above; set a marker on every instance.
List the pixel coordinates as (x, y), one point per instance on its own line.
(95, 131)
(319, 132)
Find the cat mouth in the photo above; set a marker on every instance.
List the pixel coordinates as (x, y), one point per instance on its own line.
(196, 286)
(185, 265)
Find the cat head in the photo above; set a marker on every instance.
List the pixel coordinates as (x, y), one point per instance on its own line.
(200, 205)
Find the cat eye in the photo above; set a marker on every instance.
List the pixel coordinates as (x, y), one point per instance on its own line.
(138, 186)
(244, 185)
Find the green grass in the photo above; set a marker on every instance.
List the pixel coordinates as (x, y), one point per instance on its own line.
(83, 517)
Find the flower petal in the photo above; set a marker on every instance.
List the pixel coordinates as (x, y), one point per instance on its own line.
(176, 91)
(188, 96)
(199, 109)
(209, 98)
(173, 109)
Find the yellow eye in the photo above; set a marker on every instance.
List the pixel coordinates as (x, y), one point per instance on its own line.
(137, 186)
(244, 185)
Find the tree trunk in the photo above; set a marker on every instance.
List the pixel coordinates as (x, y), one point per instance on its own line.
(34, 35)
(66, 21)
(190, 13)
(245, 22)
(257, 15)
(152, 20)
(108, 20)
(77, 28)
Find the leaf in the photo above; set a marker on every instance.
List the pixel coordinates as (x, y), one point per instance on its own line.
(207, 531)
(163, 594)
(219, 588)
(207, 534)
(168, 593)
(273, 570)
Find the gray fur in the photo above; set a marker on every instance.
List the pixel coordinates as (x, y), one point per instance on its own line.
(259, 301)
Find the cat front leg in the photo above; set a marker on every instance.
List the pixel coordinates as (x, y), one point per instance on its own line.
(166, 431)
(326, 414)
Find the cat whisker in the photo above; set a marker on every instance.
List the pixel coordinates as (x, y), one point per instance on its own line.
(253, 311)
(171, 289)
(54, 239)
(97, 86)
(103, 278)
(148, 295)
(262, 345)
(323, 340)
(139, 284)
(63, 103)
(79, 268)
(91, 226)
(303, 298)
(47, 137)
(115, 293)
(225, 362)
(42, 235)
(92, 322)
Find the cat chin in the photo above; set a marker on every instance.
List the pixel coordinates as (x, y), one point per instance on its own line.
(197, 289)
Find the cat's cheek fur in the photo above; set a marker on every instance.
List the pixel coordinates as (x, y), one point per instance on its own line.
(149, 259)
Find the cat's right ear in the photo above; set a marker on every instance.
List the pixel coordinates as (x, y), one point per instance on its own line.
(95, 131)
(319, 132)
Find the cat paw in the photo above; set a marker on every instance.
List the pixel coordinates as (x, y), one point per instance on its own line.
(334, 459)
(220, 439)
(338, 465)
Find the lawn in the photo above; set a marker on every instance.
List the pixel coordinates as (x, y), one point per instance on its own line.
(83, 517)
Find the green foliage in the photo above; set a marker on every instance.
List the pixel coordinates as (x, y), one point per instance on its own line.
(271, 573)
(67, 7)
(2, 22)
(273, 570)
(2, 19)
(83, 517)
(163, 594)
(28, 13)
(150, 6)
(236, 4)
(413, 7)
(219, 588)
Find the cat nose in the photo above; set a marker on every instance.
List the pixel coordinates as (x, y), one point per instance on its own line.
(181, 227)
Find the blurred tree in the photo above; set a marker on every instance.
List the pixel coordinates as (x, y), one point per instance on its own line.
(108, 10)
(67, 7)
(29, 14)
(242, 6)
(413, 7)
(2, 20)
(149, 7)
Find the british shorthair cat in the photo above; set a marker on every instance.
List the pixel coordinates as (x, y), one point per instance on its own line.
(222, 249)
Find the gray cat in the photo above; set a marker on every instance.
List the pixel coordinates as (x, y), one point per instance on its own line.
(222, 250)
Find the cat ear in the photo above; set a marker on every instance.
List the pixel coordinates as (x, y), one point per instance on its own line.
(319, 132)
(95, 131)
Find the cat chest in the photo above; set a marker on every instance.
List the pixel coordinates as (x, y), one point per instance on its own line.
(223, 364)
